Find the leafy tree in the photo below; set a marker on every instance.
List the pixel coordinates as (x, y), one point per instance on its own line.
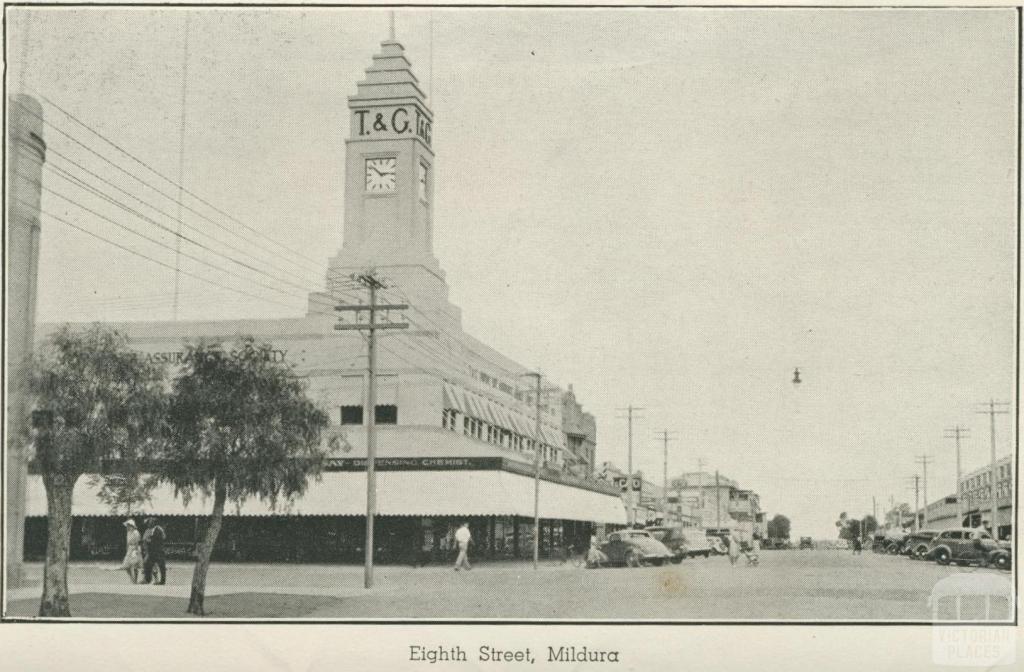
(778, 527)
(124, 493)
(96, 402)
(241, 426)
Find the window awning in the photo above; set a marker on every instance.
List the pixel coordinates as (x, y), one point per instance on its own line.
(452, 399)
(472, 408)
(399, 493)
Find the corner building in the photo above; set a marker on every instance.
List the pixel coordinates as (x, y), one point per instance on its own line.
(456, 419)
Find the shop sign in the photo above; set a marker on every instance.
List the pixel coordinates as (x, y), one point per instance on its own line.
(414, 463)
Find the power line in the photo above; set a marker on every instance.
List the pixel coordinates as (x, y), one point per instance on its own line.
(161, 244)
(49, 165)
(144, 256)
(154, 188)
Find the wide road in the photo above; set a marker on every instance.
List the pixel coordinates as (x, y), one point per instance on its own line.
(787, 585)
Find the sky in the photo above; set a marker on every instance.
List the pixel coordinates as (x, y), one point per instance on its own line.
(666, 208)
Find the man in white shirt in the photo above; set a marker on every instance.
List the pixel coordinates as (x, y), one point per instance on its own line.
(462, 537)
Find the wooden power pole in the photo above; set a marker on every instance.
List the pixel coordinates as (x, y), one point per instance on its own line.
(370, 281)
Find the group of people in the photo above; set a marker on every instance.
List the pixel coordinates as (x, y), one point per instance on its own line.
(145, 552)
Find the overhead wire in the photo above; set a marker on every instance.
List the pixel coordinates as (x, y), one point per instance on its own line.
(169, 180)
(159, 191)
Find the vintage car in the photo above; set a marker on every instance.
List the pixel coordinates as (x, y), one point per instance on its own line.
(684, 543)
(634, 548)
(806, 543)
(963, 547)
(888, 541)
(673, 539)
(916, 543)
(894, 540)
(1001, 556)
(718, 538)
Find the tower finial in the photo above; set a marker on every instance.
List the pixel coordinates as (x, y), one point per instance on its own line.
(391, 25)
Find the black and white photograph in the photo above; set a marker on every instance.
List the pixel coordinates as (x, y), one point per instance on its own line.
(512, 315)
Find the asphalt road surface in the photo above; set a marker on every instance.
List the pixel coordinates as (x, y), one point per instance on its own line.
(787, 585)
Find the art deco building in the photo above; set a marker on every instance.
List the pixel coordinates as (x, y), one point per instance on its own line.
(457, 420)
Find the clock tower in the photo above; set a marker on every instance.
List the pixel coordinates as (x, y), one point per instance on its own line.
(389, 189)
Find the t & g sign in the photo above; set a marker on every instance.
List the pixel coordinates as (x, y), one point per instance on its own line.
(400, 121)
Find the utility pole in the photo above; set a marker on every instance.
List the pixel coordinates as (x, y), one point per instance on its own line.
(924, 461)
(370, 281)
(536, 473)
(664, 474)
(631, 517)
(958, 432)
(718, 502)
(700, 488)
(917, 501)
(992, 412)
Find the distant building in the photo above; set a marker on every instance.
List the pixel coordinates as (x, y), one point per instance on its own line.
(717, 501)
(975, 495)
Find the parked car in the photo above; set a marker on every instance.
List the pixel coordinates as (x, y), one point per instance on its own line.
(1001, 556)
(962, 547)
(894, 540)
(842, 545)
(699, 544)
(634, 548)
(916, 543)
(718, 539)
(673, 538)
(806, 543)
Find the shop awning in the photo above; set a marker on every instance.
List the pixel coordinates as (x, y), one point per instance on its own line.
(399, 493)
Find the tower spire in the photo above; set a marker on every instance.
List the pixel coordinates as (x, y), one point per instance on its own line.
(391, 25)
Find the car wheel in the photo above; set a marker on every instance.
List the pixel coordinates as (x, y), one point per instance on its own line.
(893, 549)
(677, 560)
(1002, 561)
(919, 553)
(632, 559)
(942, 556)
(658, 562)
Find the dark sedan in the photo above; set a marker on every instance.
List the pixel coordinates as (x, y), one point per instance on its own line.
(916, 543)
(634, 548)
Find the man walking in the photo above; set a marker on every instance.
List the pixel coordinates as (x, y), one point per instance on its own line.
(462, 537)
(153, 550)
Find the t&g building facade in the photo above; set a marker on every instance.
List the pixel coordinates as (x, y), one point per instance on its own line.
(457, 430)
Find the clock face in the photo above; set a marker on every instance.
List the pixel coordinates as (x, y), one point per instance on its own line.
(380, 174)
(423, 181)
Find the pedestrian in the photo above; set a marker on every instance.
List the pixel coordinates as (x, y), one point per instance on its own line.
(153, 553)
(595, 557)
(462, 538)
(132, 562)
(734, 548)
(754, 552)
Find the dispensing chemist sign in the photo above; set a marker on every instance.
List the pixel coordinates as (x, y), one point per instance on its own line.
(391, 121)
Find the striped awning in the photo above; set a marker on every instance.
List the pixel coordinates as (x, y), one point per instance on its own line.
(399, 493)
(452, 399)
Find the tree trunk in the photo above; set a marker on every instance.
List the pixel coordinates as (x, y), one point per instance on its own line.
(59, 489)
(205, 550)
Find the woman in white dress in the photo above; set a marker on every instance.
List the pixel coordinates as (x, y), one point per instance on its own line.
(133, 555)
(734, 548)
